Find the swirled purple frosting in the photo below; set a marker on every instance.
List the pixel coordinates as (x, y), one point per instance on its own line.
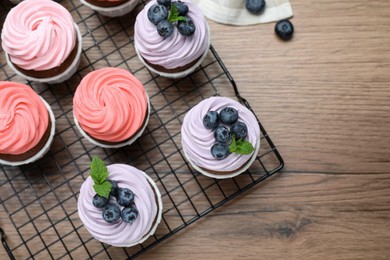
(198, 140)
(120, 233)
(176, 50)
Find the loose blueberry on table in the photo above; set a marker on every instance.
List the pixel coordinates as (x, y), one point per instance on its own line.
(166, 13)
(284, 29)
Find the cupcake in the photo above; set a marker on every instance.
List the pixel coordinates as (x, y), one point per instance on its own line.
(111, 107)
(111, 8)
(27, 124)
(220, 137)
(171, 38)
(41, 42)
(119, 204)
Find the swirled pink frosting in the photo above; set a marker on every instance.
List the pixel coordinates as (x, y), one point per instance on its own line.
(119, 233)
(110, 104)
(176, 50)
(23, 118)
(38, 34)
(197, 140)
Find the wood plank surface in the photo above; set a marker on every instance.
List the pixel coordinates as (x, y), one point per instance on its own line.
(324, 98)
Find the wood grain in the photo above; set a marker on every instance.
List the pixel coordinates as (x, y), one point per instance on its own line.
(324, 98)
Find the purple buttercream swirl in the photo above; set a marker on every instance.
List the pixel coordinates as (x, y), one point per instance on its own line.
(198, 140)
(176, 50)
(121, 233)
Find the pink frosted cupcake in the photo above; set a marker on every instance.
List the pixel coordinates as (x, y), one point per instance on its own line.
(27, 124)
(41, 42)
(175, 46)
(111, 8)
(127, 208)
(220, 137)
(111, 107)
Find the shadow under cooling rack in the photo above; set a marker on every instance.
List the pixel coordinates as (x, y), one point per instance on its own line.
(39, 201)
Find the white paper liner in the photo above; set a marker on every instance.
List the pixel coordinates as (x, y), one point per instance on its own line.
(114, 11)
(180, 74)
(159, 213)
(45, 148)
(230, 175)
(64, 75)
(234, 12)
(132, 140)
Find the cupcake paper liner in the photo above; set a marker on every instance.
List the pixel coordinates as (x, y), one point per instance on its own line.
(180, 74)
(230, 175)
(234, 12)
(63, 76)
(45, 148)
(132, 140)
(114, 11)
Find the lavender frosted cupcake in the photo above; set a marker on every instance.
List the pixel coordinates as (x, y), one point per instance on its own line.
(171, 40)
(119, 204)
(220, 137)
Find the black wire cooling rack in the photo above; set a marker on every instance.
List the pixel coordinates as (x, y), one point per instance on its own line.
(39, 201)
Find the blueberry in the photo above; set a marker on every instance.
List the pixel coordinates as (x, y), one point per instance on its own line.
(99, 201)
(284, 29)
(129, 214)
(228, 115)
(165, 28)
(220, 151)
(222, 134)
(111, 213)
(166, 3)
(239, 130)
(211, 120)
(114, 188)
(255, 6)
(125, 197)
(157, 13)
(186, 27)
(182, 8)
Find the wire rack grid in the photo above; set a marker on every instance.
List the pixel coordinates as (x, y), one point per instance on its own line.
(39, 201)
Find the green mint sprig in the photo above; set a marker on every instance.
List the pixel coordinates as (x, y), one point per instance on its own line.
(99, 175)
(241, 146)
(174, 14)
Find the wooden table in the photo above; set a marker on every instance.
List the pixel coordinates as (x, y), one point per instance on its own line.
(324, 98)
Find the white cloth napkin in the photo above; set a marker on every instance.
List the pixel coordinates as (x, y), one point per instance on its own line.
(234, 12)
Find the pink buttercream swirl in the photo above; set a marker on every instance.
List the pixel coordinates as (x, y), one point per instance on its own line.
(119, 233)
(38, 35)
(198, 140)
(110, 104)
(176, 50)
(23, 118)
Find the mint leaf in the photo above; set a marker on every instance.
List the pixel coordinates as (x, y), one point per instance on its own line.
(99, 172)
(103, 189)
(241, 146)
(174, 14)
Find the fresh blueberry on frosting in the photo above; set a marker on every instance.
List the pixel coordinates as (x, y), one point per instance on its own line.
(99, 201)
(220, 151)
(255, 6)
(129, 214)
(186, 27)
(228, 115)
(125, 197)
(182, 8)
(157, 13)
(222, 134)
(239, 130)
(114, 188)
(165, 28)
(111, 213)
(166, 13)
(211, 120)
